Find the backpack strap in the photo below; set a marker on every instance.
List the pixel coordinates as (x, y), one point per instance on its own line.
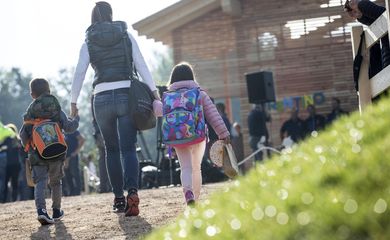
(36, 121)
(129, 60)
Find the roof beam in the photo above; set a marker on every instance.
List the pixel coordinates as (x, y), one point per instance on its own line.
(376, 30)
(231, 7)
(173, 17)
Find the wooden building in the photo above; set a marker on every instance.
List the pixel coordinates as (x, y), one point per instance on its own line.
(305, 43)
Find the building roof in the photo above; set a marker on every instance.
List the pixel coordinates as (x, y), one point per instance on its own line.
(160, 25)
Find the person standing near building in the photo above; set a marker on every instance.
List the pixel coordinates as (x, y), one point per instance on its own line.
(222, 111)
(257, 124)
(5, 133)
(75, 142)
(293, 127)
(314, 122)
(337, 111)
(14, 150)
(366, 12)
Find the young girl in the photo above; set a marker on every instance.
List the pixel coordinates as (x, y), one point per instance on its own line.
(190, 156)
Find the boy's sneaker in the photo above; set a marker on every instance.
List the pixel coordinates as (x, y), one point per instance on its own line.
(57, 214)
(43, 217)
(119, 204)
(190, 199)
(132, 204)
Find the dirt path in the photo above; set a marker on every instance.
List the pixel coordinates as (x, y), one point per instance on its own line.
(90, 216)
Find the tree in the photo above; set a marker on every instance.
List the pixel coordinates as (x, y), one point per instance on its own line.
(61, 88)
(14, 96)
(164, 64)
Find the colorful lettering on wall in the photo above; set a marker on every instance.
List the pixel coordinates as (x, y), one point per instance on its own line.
(299, 102)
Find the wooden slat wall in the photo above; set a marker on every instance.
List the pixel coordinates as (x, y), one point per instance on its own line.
(223, 48)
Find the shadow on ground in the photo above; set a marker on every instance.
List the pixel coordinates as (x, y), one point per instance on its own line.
(134, 227)
(54, 231)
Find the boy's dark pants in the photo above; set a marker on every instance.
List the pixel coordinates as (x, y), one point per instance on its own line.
(51, 173)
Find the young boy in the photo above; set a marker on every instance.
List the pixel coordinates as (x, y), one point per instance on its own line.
(45, 106)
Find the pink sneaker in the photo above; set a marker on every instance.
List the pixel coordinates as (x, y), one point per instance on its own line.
(190, 199)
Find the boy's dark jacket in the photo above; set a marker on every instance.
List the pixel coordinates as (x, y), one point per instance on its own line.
(45, 106)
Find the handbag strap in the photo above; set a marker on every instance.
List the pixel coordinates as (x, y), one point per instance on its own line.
(134, 74)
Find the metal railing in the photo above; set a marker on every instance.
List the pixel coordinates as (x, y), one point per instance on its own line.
(264, 148)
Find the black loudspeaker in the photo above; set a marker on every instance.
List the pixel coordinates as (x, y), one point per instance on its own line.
(260, 87)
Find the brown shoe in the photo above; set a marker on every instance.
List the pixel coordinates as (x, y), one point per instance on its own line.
(132, 205)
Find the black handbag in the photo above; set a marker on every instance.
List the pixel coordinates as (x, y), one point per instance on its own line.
(141, 105)
(140, 98)
(357, 62)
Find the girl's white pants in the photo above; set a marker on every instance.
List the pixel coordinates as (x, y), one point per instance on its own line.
(190, 158)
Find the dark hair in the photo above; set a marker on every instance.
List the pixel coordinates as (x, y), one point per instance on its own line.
(347, 7)
(336, 99)
(220, 107)
(38, 86)
(311, 106)
(102, 12)
(181, 72)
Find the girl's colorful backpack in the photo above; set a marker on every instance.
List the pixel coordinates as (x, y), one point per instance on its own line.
(183, 121)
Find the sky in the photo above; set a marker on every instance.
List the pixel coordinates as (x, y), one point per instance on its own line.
(43, 36)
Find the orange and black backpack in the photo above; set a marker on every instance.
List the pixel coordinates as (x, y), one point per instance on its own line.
(47, 139)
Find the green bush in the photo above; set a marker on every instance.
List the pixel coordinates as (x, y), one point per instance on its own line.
(333, 186)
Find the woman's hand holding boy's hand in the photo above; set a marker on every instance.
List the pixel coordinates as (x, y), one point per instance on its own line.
(74, 111)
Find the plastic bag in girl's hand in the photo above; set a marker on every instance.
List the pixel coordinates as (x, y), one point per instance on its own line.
(230, 166)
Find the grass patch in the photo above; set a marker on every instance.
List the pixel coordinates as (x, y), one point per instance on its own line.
(333, 186)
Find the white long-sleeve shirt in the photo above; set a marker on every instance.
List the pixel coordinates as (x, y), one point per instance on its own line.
(82, 67)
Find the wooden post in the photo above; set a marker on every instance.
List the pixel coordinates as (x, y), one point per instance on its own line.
(364, 82)
(86, 180)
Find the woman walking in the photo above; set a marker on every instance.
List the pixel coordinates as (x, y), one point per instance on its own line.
(114, 55)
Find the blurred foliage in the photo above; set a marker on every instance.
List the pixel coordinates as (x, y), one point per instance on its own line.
(14, 96)
(335, 185)
(162, 71)
(61, 87)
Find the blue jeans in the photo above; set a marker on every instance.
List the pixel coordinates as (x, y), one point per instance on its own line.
(52, 173)
(112, 115)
